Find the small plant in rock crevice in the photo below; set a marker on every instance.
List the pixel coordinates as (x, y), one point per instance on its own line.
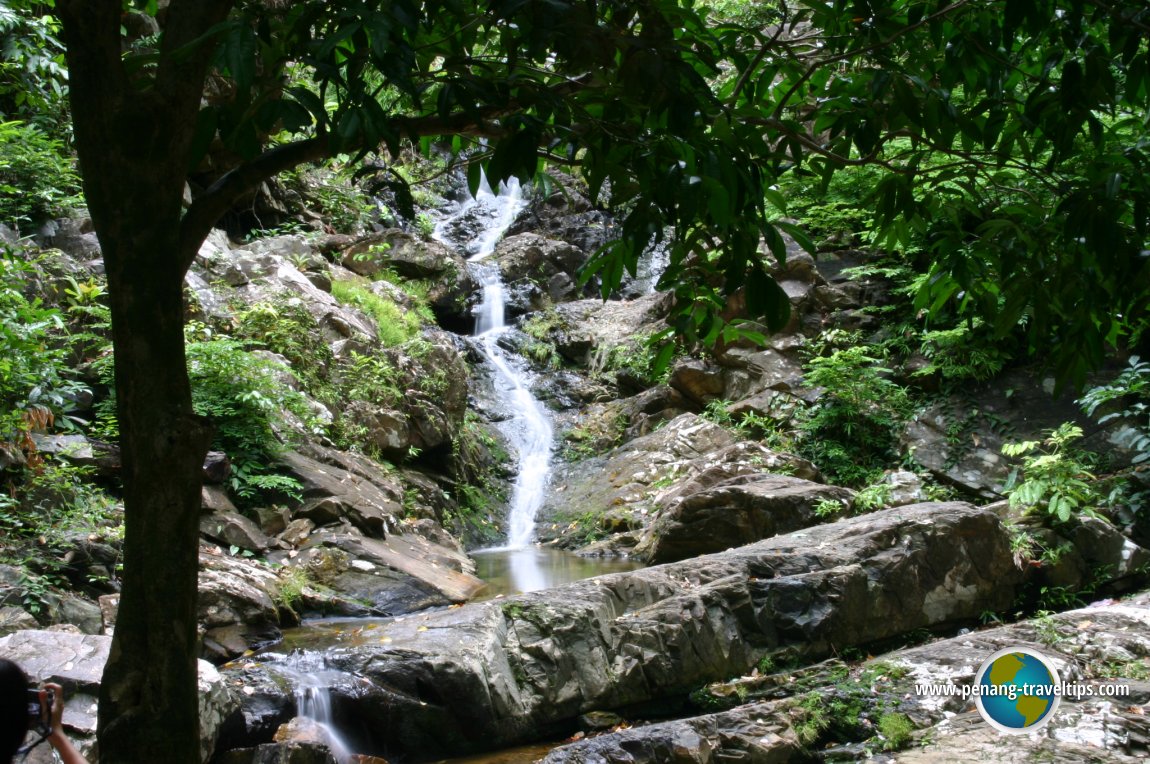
(1053, 477)
(851, 433)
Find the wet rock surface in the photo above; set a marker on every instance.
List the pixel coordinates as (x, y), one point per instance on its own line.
(494, 673)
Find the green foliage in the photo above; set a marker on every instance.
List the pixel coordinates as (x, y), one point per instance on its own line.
(638, 359)
(34, 369)
(1053, 477)
(962, 353)
(424, 225)
(1125, 401)
(851, 432)
(38, 514)
(293, 581)
(1125, 404)
(540, 345)
(872, 497)
(37, 180)
(334, 196)
(769, 430)
(834, 212)
(284, 326)
(395, 325)
(246, 400)
(828, 508)
(370, 378)
(33, 81)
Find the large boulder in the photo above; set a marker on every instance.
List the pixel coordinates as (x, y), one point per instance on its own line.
(539, 271)
(340, 486)
(1100, 645)
(642, 475)
(389, 576)
(705, 515)
(236, 609)
(490, 674)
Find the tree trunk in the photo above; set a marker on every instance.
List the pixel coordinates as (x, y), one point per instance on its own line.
(148, 702)
(133, 134)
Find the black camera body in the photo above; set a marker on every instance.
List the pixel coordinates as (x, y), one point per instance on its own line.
(39, 713)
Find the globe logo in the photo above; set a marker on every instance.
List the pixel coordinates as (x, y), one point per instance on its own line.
(1017, 690)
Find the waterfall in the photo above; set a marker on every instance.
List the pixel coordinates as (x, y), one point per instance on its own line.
(312, 682)
(529, 430)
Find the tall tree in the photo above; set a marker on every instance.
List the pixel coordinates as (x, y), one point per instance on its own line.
(1012, 130)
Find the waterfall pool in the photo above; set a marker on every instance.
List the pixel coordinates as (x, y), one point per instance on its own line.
(529, 569)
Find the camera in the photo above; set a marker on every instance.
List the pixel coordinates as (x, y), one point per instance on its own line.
(39, 715)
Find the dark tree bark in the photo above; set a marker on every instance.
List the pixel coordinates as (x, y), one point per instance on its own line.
(134, 132)
(133, 137)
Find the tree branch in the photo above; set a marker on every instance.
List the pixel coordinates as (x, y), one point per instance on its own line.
(212, 204)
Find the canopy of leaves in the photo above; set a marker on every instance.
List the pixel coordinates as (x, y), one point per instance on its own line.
(1011, 133)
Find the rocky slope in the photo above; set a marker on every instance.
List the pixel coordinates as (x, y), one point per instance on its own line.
(398, 467)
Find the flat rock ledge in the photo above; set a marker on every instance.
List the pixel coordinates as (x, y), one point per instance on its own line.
(1105, 644)
(491, 674)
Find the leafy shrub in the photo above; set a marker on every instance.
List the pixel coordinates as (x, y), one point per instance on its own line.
(1131, 390)
(34, 369)
(284, 326)
(33, 78)
(341, 205)
(851, 432)
(1126, 401)
(962, 353)
(37, 180)
(1053, 476)
(245, 398)
(873, 497)
(370, 378)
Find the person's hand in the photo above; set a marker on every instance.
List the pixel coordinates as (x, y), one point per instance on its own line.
(56, 737)
(52, 714)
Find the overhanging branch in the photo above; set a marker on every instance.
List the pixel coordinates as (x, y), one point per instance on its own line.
(225, 192)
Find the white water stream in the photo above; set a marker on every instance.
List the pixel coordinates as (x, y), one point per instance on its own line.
(312, 681)
(529, 429)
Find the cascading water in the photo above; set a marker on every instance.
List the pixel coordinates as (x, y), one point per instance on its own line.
(530, 428)
(312, 682)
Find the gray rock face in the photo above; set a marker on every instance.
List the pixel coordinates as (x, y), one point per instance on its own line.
(102, 458)
(697, 381)
(745, 734)
(705, 515)
(388, 576)
(494, 673)
(545, 265)
(236, 610)
(689, 454)
(1098, 645)
(335, 488)
(233, 529)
